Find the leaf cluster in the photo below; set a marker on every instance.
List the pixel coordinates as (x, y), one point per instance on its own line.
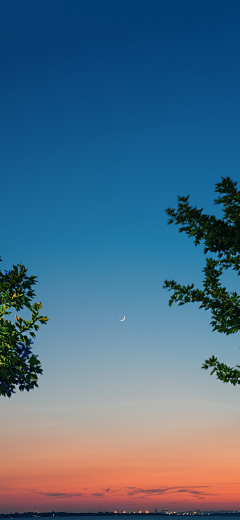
(222, 237)
(19, 367)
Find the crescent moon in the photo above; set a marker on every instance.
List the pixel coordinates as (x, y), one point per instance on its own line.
(123, 318)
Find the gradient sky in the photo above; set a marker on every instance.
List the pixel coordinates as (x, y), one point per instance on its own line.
(110, 109)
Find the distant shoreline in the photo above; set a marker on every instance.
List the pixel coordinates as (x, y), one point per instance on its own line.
(58, 514)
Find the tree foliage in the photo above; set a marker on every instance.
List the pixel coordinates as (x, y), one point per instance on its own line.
(222, 237)
(19, 367)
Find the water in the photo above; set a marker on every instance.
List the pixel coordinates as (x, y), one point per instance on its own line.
(151, 516)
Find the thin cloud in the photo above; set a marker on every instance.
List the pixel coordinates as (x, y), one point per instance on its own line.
(114, 490)
(159, 491)
(57, 494)
(62, 495)
(199, 492)
(137, 491)
(192, 491)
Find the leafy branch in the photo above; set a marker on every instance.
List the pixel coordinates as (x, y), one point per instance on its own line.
(222, 237)
(19, 367)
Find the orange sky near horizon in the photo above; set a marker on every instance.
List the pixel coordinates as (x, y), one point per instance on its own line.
(107, 466)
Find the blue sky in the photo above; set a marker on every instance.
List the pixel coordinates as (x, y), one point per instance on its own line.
(109, 111)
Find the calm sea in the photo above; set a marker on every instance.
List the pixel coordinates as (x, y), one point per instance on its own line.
(155, 517)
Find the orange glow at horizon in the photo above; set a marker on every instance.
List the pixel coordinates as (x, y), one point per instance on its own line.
(118, 461)
(183, 471)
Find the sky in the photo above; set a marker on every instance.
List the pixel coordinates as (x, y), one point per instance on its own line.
(110, 110)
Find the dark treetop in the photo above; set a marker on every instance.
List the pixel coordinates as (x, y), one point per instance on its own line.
(19, 367)
(222, 237)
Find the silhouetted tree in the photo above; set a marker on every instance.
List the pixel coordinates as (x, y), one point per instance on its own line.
(18, 366)
(222, 237)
